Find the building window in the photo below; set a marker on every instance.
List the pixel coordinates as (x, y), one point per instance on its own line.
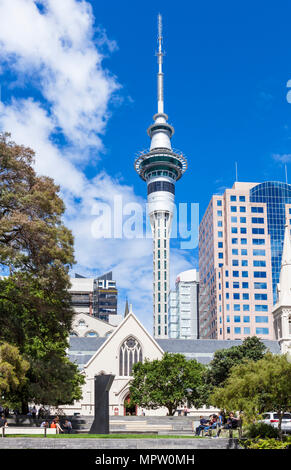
(261, 308)
(233, 220)
(233, 198)
(233, 208)
(260, 285)
(242, 198)
(245, 296)
(261, 297)
(244, 252)
(260, 274)
(259, 253)
(257, 220)
(219, 202)
(247, 319)
(242, 209)
(247, 330)
(237, 319)
(258, 241)
(243, 241)
(243, 220)
(257, 209)
(237, 330)
(261, 319)
(233, 229)
(91, 334)
(258, 231)
(262, 331)
(129, 354)
(259, 263)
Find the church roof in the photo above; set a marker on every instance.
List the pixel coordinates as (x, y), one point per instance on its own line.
(82, 349)
(203, 349)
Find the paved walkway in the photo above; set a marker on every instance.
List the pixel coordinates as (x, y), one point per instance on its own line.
(91, 443)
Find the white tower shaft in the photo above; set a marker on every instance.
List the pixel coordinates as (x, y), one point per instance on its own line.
(161, 167)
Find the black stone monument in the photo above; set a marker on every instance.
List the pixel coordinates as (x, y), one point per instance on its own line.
(101, 420)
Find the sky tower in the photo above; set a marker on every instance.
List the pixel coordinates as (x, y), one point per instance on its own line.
(160, 167)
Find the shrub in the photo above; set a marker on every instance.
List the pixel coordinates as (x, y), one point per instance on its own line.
(261, 430)
(266, 444)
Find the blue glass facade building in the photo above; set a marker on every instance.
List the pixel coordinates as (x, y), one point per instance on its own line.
(275, 195)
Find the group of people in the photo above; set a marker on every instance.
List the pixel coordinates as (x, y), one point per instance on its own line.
(183, 412)
(66, 427)
(218, 422)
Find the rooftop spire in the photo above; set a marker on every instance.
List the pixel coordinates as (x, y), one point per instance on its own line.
(284, 287)
(160, 55)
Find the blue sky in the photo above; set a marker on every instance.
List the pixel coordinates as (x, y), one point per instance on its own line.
(78, 84)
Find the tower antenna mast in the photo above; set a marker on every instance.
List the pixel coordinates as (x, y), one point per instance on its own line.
(160, 55)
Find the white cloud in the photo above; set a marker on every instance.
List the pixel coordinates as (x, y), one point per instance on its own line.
(51, 45)
(56, 50)
(283, 158)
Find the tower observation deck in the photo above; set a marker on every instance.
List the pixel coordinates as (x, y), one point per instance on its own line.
(160, 167)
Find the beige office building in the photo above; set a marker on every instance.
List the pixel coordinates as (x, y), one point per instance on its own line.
(240, 248)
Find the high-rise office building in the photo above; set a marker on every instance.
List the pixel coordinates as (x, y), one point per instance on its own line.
(97, 297)
(183, 306)
(240, 248)
(160, 167)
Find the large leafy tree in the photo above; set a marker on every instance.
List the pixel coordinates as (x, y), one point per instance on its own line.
(255, 387)
(169, 382)
(37, 251)
(13, 369)
(224, 359)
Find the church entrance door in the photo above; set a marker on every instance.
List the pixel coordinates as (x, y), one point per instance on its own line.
(129, 410)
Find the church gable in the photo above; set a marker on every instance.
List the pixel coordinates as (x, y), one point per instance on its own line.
(129, 344)
(85, 325)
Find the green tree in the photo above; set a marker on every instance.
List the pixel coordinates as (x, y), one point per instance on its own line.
(219, 368)
(35, 304)
(13, 369)
(255, 387)
(169, 382)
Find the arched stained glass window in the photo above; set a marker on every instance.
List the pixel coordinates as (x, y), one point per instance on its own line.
(130, 353)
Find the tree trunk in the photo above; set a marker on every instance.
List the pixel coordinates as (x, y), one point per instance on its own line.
(280, 425)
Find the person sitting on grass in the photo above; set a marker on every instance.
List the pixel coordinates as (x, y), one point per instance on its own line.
(45, 424)
(56, 425)
(67, 426)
